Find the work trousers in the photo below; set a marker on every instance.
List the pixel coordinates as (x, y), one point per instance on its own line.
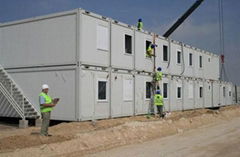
(45, 123)
(160, 110)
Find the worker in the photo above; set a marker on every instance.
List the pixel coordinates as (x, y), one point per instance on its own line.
(46, 106)
(158, 76)
(150, 50)
(158, 101)
(140, 24)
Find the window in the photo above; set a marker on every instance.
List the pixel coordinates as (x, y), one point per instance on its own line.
(165, 53)
(190, 90)
(178, 57)
(102, 38)
(128, 44)
(179, 92)
(148, 90)
(165, 90)
(200, 61)
(209, 87)
(102, 90)
(230, 93)
(190, 59)
(148, 43)
(224, 90)
(209, 60)
(127, 89)
(200, 92)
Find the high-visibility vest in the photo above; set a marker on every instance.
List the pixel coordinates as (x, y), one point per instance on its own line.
(158, 76)
(149, 51)
(48, 100)
(140, 25)
(158, 100)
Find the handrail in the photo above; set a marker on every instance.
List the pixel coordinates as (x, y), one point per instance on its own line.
(20, 90)
(12, 101)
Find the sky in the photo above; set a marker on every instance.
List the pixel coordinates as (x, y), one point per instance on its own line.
(200, 30)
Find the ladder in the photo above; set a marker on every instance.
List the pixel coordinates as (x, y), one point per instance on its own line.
(12, 99)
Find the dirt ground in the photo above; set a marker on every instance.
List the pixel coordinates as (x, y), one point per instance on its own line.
(81, 138)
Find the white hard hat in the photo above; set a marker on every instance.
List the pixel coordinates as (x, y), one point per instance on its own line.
(45, 86)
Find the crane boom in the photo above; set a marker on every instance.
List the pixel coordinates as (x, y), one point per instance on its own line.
(182, 18)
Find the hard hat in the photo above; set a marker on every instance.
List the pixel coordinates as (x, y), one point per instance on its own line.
(159, 69)
(152, 46)
(158, 91)
(140, 20)
(45, 86)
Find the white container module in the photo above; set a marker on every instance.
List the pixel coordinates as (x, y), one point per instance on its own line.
(94, 93)
(122, 93)
(176, 95)
(99, 67)
(208, 94)
(189, 98)
(94, 39)
(143, 93)
(39, 42)
(62, 83)
(142, 62)
(122, 46)
(165, 91)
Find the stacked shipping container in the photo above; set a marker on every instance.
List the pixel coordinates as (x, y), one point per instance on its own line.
(99, 69)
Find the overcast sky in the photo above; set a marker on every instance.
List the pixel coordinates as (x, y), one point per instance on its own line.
(201, 29)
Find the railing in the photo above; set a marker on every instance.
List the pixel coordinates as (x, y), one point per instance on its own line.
(12, 101)
(10, 87)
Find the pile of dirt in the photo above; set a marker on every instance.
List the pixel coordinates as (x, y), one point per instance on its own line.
(23, 141)
(83, 137)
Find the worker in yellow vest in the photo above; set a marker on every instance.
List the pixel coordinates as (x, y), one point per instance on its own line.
(158, 76)
(140, 24)
(46, 106)
(158, 101)
(150, 50)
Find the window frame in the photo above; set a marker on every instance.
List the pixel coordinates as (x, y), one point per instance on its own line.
(163, 91)
(165, 52)
(200, 61)
(97, 38)
(200, 91)
(145, 89)
(145, 51)
(179, 86)
(125, 50)
(179, 58)
(97, 89)
(190, 59)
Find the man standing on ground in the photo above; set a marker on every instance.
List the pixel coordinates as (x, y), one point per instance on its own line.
(46, 106)
(158, 101)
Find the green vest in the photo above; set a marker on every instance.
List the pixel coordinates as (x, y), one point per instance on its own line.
(158, 76)
(158, 100)
(140, 25)
(48, 100)
(149, 51)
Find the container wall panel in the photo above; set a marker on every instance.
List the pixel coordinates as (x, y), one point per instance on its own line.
(94, 40)
(142, 101)
(188, 90)
(119, 57)
(142, 63)
(176, 102)
(42, 42)
(90, 105)
(122, 97)
(61, 83)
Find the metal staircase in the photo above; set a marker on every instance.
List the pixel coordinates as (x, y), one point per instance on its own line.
(11, 96)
